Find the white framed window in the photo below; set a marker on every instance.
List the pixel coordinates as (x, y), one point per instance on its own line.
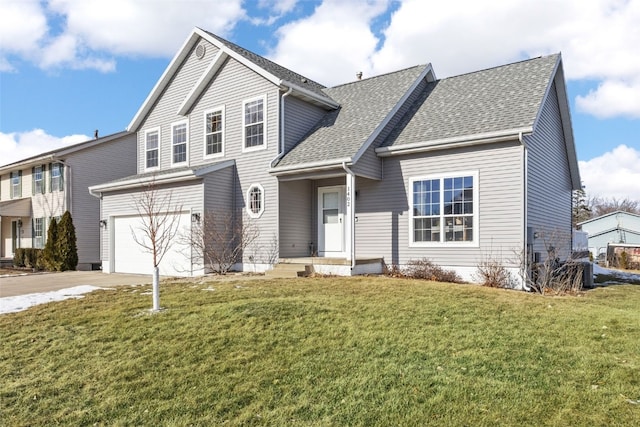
(444, 210)
(16, 184)
(38, 233)
(37, 174)
(57, 177)
(179, 143)
(152, 149)
(254, 113)
(255, 200)
(214, 132)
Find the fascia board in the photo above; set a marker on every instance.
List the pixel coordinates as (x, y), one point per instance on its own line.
(310, 167)
(383, 124)
(164, 80)
(139, 182)
(202, 83)
(446, 143)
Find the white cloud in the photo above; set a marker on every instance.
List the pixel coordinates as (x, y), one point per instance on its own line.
(16, 146)
(332, 44)
(612, 98)
(92, 33)
(613, 174)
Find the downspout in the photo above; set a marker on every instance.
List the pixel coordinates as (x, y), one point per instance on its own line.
(281, 151)
(525, 182)
(352, 227)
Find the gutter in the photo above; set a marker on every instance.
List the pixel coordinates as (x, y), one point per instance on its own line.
(352, 226)
(447, 143)
(281, 153)
(326, 101)
(321, 165)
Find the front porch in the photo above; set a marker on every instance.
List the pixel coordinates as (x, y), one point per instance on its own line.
(305, 266)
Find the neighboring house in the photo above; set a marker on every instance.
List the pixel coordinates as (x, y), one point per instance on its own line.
(614, 227)
(36, 189)
(378, 171)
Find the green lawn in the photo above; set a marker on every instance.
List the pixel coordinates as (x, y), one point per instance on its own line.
(326, 351)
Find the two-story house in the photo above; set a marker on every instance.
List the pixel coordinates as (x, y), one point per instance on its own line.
(36, 189)
(377, 171)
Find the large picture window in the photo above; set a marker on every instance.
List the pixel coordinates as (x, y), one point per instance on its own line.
(444, 209)
(214, 133)
(254, 124)
(152, 149)
(179, 141)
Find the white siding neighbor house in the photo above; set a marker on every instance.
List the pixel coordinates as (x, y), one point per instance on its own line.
(36, 189)
(615, 227)
(348, 179)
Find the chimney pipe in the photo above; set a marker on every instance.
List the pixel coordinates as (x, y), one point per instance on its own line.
(95, 134)
(359, 75)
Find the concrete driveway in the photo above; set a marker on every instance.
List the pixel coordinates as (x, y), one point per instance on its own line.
(45, 282)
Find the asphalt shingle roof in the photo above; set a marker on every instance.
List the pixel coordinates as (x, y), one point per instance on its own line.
(273, 68)
(493, 100)
(363, 106)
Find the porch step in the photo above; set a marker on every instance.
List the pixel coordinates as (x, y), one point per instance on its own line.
(283, 270)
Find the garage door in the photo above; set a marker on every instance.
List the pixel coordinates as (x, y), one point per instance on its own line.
(129, 257)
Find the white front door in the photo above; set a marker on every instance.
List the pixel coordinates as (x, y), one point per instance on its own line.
(331, 221)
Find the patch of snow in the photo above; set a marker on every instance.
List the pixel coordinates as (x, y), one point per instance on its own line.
(620, 274)
(23, 302)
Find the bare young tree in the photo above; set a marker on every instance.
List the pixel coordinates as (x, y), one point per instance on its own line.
(158, 227)
(601, 206)
(218, 240)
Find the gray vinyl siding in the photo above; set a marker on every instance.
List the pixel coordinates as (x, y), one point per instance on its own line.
(185, 197)
(99, 164)
(300, 117)
(219, 188)
(549, 181)
(164, 112)
(382, 207)
(370, 165)
(295, 218)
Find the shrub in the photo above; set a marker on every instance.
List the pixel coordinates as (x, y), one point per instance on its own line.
(65, 247)
(493, 274)
(18, 257)
(425, 269)
(32, 258)
(49, 259)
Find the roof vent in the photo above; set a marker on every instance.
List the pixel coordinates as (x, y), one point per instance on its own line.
(359, 75)
(200, 51)
(304, 80)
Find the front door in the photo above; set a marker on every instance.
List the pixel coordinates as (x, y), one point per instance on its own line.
(331, 221)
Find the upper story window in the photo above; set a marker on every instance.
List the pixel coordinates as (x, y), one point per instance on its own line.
(38, 180)
(16, 184)
(214, 132)
(255, 200)
(444, 210)
(254, 123)
(152, 148)
(179, 142)
(57, 177)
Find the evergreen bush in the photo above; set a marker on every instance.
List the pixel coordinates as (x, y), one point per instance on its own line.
(49, 259)
(66, 250)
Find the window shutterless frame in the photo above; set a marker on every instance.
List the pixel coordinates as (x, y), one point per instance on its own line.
(151, 149)
(254, 124)
(180, 143)
(255, 200)
(214, 132)
(444, 210)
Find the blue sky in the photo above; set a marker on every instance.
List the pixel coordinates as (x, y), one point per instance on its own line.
(68, 67)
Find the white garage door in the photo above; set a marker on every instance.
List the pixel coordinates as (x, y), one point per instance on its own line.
(129, 257)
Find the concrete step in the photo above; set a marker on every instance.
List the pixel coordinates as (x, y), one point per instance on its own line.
(283, 270)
